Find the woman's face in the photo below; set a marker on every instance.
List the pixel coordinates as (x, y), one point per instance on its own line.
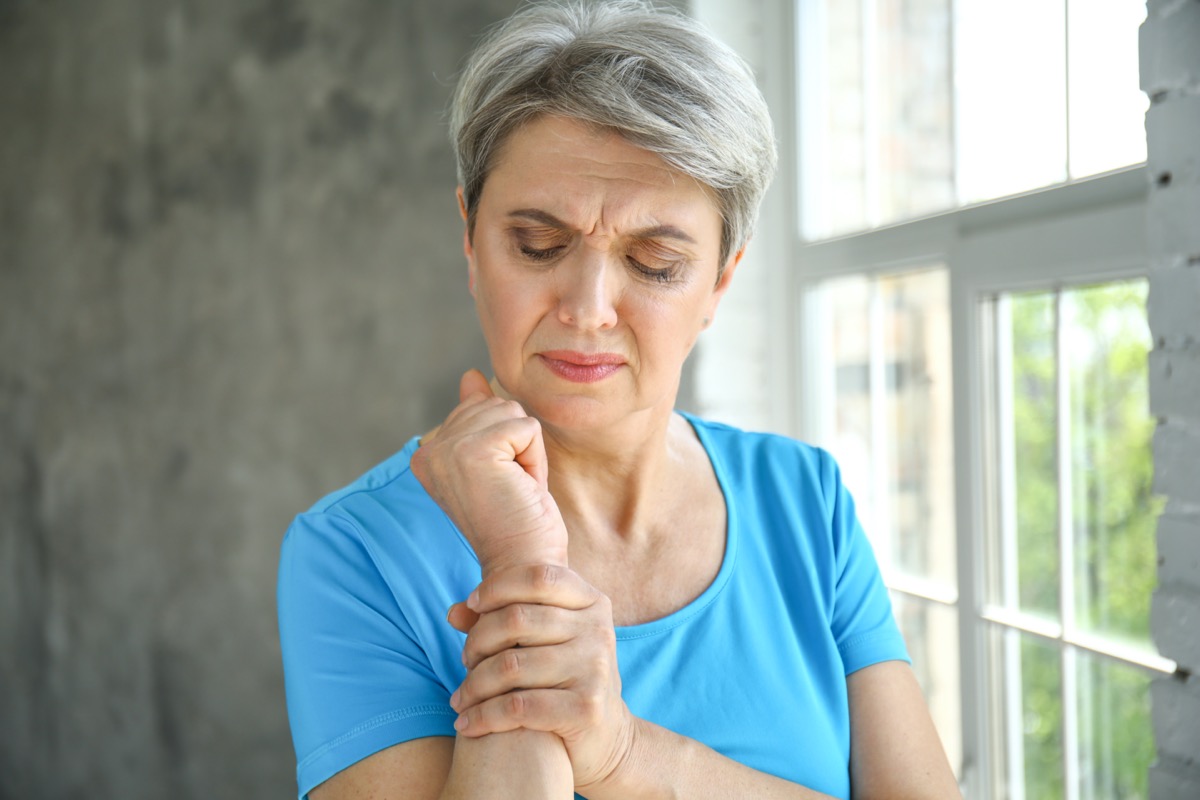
(593, 266)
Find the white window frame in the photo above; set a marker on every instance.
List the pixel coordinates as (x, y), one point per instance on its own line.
(1085, 231)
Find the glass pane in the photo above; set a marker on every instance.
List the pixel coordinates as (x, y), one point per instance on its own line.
(1116, 742)
(848, 435)
(1107, 106)
(1113, 507)
(832, 118)
(910, 107)
(931, 632)
(1010, 93)
(877, 113)
(884, 381)
(1033, 403)
(910, 146)
(916, 345)
(1041, 718)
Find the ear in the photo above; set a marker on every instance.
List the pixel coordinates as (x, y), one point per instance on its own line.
(722, 285)
(468, 249)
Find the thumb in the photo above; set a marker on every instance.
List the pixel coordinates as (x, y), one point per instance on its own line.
(473, 382)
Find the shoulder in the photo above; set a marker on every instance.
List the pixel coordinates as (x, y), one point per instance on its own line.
(765, 458)
(385, 502)
(381, 530)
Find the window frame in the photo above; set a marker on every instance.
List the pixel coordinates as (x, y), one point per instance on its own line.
(1083, 231)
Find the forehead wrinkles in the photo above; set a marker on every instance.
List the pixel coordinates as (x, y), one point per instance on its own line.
(596, 182)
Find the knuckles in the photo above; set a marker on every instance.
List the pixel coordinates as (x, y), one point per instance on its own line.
(510, 663)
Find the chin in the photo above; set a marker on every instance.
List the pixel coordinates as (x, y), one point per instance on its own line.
(573, 412)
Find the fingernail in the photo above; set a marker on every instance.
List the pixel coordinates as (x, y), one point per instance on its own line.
(460, 724)
(454, 699)
(449, 611)
(473, 601)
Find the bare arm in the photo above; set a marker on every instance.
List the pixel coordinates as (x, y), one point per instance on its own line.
(563, 679)
(517, 765)
(485, 466)
(894, 748)
(895, 753)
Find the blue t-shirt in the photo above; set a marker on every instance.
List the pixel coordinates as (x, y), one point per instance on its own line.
(755, 667)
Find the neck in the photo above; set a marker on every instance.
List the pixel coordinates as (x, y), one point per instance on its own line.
(609, 484)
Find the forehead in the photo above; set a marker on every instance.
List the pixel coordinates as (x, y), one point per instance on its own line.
(585, 174)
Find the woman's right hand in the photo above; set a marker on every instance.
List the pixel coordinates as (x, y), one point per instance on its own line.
(486, 467)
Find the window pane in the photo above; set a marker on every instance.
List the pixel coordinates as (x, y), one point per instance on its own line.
(1113, 507)
(1010, 91)
(1027, 693)
(884, 376)
(910, 107)
(916, 346)
(847, 433)
(1115, 738)
(834, 145)
(931, 632)
(1033, 404)
(1107, 106)
(877, 113)
(1042, 717)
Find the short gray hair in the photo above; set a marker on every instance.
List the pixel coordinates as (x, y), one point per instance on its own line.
(656, 77)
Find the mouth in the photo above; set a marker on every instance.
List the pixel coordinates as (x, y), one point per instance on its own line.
(580, 367)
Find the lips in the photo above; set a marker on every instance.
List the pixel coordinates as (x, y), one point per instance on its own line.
(580, 367)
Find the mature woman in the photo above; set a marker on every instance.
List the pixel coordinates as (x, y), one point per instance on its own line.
(641, 603)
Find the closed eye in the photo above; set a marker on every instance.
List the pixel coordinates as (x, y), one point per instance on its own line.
(540, 254)
(659, 274)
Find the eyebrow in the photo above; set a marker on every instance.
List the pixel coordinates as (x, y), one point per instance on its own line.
(656, 232)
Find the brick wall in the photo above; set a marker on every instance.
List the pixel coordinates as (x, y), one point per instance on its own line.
(1170, 67)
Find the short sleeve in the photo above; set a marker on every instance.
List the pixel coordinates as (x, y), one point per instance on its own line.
(356, 676)
(862, 621)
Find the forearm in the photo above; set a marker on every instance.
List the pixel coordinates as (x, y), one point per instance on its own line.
(513, 765)
(516, 765)
(662, 764)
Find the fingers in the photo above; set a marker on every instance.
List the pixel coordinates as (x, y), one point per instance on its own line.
(473, 382)
(461, 618)
(518, 668)
(541, 584)
(518, 625)
(533, 709)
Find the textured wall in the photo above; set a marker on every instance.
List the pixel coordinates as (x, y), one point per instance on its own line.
(230, 280)
(1170, 74)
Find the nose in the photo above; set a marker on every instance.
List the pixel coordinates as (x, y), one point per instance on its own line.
(587, 292)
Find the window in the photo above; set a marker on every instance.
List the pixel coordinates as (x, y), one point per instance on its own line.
(910, 107)
(961, 240)
(979, 368)
(1071, 520)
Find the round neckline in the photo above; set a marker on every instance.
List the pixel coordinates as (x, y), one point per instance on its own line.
(706, 598)
(713, 590)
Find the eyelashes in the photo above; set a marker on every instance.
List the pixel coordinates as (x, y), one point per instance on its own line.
(540, 254)
(666, 274)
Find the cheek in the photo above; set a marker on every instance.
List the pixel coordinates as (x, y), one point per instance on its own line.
(507, 313)
(666, 331)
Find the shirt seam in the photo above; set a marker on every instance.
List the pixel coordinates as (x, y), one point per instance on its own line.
(372, 724)
(868, 637)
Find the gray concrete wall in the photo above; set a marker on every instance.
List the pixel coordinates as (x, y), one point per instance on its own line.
(1170, 74)
(230, 280)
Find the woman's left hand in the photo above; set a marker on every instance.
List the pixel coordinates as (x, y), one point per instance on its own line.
(541, 654)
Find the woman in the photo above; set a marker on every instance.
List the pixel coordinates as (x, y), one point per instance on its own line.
(641, 603)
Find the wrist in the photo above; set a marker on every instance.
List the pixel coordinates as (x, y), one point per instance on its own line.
(553, 554)
(636, 773)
